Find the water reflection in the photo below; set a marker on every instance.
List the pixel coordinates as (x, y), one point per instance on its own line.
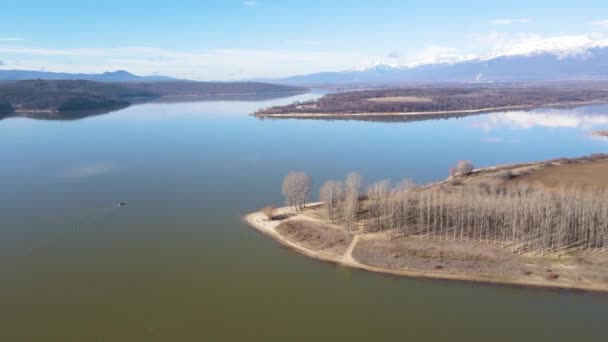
(62, 116)
(229, 100)
(586, 118)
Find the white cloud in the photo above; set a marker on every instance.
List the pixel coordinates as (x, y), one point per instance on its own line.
(215, 64)
(296, 57)
(434, 54)
(395, 54)
(506, 44)
(249, 3)
(493, 44)
(510, 21)
(600, 23)
(11, 39)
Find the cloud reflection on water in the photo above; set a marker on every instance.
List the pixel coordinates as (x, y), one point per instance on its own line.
(586, 118)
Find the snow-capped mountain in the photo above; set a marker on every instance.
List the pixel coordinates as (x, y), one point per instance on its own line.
(543, 63)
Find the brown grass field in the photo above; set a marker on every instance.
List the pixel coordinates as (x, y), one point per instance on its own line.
(587, 174)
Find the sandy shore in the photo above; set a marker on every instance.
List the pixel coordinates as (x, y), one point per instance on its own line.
(422, 114)
(260, 222)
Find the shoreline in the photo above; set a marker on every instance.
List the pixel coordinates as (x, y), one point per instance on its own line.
(258, 221)
(600, 133)
(235, 94)
(422, 114)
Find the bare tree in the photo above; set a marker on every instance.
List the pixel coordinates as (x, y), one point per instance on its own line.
(304, 188)
(339, 197)
(288, 188)
(327, 194)
(351, 199)
(377, 195)
(296, 188)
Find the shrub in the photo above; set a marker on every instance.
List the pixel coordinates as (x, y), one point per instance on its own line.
(270, 212)
(465, 167)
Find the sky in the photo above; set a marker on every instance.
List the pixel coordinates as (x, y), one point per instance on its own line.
(234, 40)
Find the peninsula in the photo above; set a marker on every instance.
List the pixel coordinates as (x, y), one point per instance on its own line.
(532, 224)
(436, 102)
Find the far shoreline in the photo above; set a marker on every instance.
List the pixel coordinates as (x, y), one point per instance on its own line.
(445, 113)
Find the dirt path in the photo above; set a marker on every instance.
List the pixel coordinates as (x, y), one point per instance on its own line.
(348, 256)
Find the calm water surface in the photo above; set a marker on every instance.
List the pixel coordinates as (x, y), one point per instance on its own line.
(178, 264)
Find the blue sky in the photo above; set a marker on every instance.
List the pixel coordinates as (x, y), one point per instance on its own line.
(223, 40)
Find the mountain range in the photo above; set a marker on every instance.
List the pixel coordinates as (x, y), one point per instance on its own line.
(111, 76)
(586, 64)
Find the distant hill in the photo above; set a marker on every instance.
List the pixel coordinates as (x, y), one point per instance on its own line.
(582, 64)
(113, 76)
(61, 96)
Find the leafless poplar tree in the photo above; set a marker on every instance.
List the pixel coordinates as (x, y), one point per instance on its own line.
(350, 209)
(296, 188)
(521, 217)
(330, 194)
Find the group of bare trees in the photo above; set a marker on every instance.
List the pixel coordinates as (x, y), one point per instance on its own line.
(296, 188)
(331, 193)
(342, 199)
(521, 217)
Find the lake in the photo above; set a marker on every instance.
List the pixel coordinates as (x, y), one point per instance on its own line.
(177, 263)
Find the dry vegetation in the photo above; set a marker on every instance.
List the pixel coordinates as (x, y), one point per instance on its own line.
(316, 236)
(587, 175)
(482, 261)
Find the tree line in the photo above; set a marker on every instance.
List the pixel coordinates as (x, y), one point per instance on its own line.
(518, 216)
